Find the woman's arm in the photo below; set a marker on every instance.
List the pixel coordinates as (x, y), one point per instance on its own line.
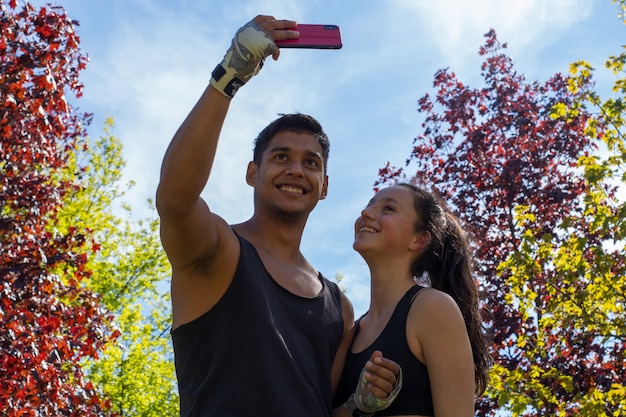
(438, 337)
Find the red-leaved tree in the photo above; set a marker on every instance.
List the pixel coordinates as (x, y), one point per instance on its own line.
(508, 164)
(49, 322)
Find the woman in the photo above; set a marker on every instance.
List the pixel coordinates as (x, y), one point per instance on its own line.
(435, 333)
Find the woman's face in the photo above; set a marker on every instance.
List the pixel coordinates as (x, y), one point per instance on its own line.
(387, 224)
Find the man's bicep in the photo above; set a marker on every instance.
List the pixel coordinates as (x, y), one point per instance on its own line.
(191, 236)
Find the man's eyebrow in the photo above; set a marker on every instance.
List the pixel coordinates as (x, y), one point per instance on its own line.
(280, 149)
(314, 154)
(287, 149)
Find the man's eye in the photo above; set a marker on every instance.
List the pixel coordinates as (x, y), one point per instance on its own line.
(389, 208)
(280, 156)
(312, 162)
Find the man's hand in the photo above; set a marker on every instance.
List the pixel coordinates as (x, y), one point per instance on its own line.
(251, 45)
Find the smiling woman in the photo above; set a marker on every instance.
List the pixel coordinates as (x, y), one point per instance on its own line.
(435, 334)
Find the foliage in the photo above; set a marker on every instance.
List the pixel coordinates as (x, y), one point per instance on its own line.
(83, 324)
(622, 9)
(137, 371)
(520, 164)
(49, 320)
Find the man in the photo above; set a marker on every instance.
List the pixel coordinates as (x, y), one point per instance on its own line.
(257, 331)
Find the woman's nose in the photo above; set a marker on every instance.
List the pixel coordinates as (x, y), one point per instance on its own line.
(367, 213)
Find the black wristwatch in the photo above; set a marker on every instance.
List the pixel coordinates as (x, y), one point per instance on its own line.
(353, 410)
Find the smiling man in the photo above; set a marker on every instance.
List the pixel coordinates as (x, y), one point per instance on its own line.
(257, 330)
(240, 340)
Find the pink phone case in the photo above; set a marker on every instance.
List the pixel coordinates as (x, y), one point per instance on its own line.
(314, 36)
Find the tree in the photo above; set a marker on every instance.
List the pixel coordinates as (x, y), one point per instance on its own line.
(622, 9)
(49, 321)
(137, 370)
(82, 316)
(518, 162)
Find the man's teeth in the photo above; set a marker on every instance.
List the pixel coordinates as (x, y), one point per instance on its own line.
(367, 229)
(290, 189)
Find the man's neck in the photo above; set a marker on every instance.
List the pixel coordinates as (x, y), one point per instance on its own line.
(281, 238)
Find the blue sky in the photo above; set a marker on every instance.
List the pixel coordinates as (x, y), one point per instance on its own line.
(150, 61)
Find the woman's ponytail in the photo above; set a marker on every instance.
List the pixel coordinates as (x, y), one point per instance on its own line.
(447, 263)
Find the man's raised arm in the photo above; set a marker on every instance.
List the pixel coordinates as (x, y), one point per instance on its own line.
(189, 231)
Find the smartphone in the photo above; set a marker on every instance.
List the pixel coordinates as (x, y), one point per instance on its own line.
(315, 37)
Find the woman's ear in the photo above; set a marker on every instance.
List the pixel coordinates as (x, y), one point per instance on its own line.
(251, 174)
(421, 241)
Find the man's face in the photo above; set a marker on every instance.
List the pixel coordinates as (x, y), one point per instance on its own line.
(291, 174)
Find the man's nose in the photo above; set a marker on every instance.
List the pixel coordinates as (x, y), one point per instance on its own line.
(295, 168)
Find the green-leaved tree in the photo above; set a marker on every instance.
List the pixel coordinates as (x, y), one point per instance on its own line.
(535, 171)
(129, 270)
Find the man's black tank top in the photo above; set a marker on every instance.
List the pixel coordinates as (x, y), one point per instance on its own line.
(261, 350)
(415, 397)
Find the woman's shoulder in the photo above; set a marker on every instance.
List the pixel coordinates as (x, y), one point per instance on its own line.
(434, 320)
(435, 304)
(432, 295)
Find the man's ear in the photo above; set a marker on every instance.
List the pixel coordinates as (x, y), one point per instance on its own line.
(324, 188)
(251, 174)
(421, 241)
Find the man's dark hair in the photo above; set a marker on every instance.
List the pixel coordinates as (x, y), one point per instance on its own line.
(297, 123)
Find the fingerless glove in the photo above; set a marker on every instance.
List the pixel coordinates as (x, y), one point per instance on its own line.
(243, 60)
